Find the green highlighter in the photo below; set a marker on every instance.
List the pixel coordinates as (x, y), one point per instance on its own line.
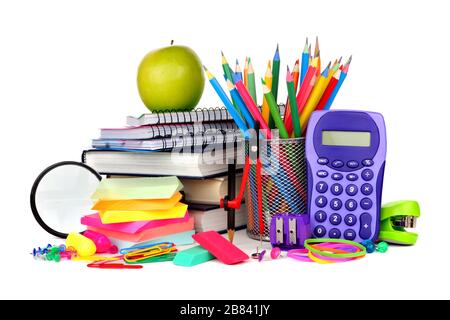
(192, 257)
(395, 217)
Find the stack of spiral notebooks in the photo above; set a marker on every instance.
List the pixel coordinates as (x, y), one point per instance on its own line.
(169, 143)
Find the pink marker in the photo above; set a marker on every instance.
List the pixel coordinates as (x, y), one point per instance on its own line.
(102, 243)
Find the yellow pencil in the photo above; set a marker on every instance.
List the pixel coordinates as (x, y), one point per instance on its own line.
(268, 80)
(314, 97)
(317, 55)
(334, 68)
(245, 72)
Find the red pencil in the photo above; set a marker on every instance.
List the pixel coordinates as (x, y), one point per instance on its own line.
(328, 91)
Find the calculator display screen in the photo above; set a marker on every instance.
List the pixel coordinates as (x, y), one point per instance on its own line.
(346, 138)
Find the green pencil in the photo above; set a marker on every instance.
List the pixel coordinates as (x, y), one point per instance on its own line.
(293, 104)
(228, 74)
(275, 79)
(274, 111)
(251, 81)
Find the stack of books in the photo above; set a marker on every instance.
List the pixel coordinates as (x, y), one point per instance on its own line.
(170, 143)
(177, 144)
(133, 211)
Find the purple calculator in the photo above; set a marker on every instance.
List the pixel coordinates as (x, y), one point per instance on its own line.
(346, 154)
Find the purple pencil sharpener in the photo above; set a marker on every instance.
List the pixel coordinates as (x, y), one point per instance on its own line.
(289, 231)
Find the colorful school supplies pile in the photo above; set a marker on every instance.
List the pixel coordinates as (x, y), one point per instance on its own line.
(309, 89)
(136, 210)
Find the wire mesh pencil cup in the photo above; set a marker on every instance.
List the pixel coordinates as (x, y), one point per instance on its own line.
(284, 183)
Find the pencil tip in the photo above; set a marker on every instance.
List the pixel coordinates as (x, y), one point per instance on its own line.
(221, 52)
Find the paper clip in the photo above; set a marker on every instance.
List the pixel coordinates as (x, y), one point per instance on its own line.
(109, 265)
(146, 246)
(143, 254)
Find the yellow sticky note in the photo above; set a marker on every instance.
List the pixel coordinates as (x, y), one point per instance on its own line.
(117, 216)
(141, 205)
(137, 188)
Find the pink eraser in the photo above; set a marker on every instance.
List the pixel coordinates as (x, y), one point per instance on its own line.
(220, 247)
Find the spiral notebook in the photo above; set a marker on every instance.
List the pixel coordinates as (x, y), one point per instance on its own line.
(198, 115)
(166, 130)
(168, 143)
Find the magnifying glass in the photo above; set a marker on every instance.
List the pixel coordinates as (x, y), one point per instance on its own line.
(61, 195)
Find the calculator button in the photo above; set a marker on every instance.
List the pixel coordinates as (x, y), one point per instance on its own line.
(322, 174)
(335, 219)
(352, 177)
(366, 203)
(367, 174)
(319, 231)
(349, 234)
(320, 216)
(366, 189)
(321, 201)
(335, 204)
(337, 164)
(337, 176)
(321, 187)
(336, 189)
(322, 161)
(350, 220)
(334, 233)
(364, 222)
(367, 163)
(351, 205)
(352, 164)
(351, 190)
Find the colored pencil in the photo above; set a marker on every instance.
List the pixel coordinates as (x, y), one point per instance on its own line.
(275, 80)
(238, 70)
(234, 94)
(314, 98)
(305, 62)
(335, 67)
(245, 95)
(317, 55)
(302, 95)
(268, 80)
(293, 104)
(226, 67)
(274, 111)
(245, 72)
(338, 85)
(295, 76)
(309, 53)
(231, 109)
(329, 90)
(251, 81)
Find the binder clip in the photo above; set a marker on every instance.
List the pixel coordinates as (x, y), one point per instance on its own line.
(289, 231)
(395, 217)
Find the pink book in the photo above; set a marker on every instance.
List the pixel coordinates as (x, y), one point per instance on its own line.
(149, 233)
(93, 220)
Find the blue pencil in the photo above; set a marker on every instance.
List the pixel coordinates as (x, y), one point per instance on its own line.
(240, 103)
(238, 71)
(339, 84)
(223, 96)
(305, 62)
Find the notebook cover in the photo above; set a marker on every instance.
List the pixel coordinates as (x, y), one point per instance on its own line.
(93, 220)
(220, 247)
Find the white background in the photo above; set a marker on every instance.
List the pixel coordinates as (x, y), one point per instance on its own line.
(68, 68)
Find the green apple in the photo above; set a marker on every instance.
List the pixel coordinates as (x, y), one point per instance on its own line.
(171, 78)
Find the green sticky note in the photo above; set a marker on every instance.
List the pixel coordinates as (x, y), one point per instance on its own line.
(137, 188)
(192, 257)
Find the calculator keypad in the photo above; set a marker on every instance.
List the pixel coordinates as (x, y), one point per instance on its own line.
(341, 201)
